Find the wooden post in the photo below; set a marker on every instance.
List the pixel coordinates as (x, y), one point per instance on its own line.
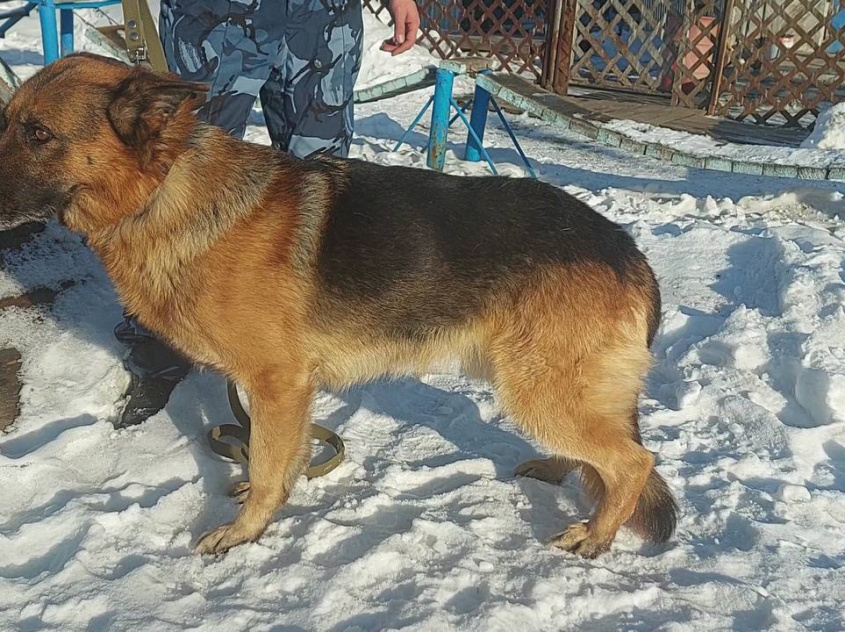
(10, 387)
(552, 36)
(721, 58)
(563, 54)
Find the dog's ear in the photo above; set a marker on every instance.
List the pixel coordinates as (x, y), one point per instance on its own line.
(144, 102)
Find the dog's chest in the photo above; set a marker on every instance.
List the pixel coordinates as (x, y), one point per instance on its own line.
(157, 286)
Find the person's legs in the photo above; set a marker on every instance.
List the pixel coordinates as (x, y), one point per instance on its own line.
(231, 47)
(308, 100)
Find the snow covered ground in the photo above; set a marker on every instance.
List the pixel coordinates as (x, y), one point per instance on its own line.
(423, 527)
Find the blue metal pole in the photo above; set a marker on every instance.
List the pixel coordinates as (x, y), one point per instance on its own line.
(457, 116)
(49, 31)
(451, 120)
(10, 18)
(66, 21)
(516, 144)
(477, 140)
(477, 122)
(443, 83)
(413, 124)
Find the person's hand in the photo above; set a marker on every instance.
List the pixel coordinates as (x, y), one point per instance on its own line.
(406, 21)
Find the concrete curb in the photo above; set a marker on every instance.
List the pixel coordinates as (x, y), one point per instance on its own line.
(612, 138)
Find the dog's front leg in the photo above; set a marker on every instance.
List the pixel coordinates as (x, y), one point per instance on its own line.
(279, 452)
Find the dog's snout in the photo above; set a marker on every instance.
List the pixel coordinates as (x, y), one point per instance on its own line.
(27, 189)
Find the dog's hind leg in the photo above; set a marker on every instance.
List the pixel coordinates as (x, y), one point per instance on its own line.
(279, 451)
(577, 392)
(615, 467)
(550, 470)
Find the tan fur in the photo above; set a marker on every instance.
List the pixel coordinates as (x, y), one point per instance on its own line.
(208, 258)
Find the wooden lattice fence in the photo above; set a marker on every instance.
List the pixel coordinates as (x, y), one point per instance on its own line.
(768, 61)
(783, 60)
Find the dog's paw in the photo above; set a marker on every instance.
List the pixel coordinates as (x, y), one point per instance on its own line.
(579, 539)
(240, 491)
(546, 470)
(222, 539)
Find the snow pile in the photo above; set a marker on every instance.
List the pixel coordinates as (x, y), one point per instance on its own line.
(829, 130)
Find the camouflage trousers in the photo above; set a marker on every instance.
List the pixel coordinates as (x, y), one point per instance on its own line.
(300, 58)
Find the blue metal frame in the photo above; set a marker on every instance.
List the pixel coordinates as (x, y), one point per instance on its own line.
(414, 124)
(444, 102)
(444, 81)
(516, 144)
(66, 31)
(475, 138)
(56, 35)
(13, 16)
(49, 40)
(419, 118)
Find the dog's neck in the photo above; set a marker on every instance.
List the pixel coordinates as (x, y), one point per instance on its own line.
(176, 219)
(125, 188)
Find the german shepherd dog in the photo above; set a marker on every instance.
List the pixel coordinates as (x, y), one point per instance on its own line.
(290, 275)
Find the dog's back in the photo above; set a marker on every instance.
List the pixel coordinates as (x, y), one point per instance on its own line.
(431, 250)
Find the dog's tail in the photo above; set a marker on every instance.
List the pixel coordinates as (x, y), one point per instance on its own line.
(656, 515)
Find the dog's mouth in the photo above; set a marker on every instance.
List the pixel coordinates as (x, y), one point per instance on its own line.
(56, 207)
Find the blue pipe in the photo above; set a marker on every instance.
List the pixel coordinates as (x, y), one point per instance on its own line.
(66, 25)
(477, 123)
(456, 117)
(475, 137)
(513, 138)
(49, 31)
(12, 17)
(94, 4)
(443, 83)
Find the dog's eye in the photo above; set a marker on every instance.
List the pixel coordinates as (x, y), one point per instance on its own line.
(41, 135)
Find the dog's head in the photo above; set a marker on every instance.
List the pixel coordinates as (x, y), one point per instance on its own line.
(89, 128)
